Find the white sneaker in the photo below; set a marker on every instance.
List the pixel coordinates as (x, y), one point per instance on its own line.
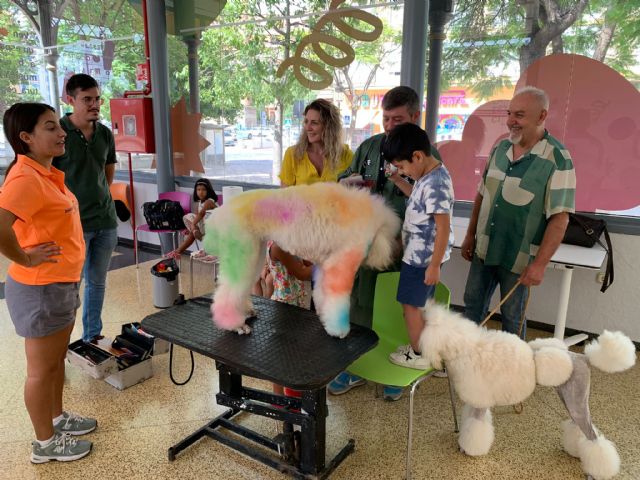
(409, 359)
(402, 349)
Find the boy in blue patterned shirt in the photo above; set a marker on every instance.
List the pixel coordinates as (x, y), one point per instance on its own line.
(427, 234)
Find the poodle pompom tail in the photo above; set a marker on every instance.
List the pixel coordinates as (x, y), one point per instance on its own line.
(612, 352)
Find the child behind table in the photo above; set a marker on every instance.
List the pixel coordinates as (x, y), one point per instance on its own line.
(289, 279)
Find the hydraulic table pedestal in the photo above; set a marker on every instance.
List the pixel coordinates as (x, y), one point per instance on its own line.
(287, 346)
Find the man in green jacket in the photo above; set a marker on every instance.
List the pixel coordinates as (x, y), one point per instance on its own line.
(399, 105)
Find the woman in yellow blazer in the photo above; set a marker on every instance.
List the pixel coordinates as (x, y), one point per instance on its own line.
(319, 155)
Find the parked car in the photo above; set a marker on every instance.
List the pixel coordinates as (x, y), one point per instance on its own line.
(262, 139)
(244, 133)
(229, 138)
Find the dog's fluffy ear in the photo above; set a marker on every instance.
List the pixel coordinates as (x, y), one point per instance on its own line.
(553, 366)
(446, 333)
(612, 352)
(431, 341)
(430, 346)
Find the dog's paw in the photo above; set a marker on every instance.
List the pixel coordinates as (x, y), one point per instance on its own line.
(243, 330)
(337, 332)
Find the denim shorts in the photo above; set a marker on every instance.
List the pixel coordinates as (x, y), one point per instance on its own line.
(411, 288)
(41, 310)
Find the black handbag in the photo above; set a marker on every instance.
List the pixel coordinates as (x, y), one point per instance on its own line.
(586, 231)
(163, 215)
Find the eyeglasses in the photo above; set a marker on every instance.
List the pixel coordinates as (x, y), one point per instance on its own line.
(88, 101)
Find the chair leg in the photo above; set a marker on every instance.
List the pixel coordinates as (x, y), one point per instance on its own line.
(160, 243)
(190, 276)
(414, 387)
(452, 395)
(135, 246)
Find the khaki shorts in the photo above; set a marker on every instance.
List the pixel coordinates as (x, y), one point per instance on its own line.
(41, 310)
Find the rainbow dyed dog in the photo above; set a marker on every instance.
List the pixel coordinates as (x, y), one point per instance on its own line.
(335, 227)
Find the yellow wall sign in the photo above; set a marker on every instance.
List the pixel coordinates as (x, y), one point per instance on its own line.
(317, 39)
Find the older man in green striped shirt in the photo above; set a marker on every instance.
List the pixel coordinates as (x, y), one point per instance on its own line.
(520, 213)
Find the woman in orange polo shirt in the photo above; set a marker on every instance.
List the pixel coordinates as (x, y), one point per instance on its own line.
(41, 233)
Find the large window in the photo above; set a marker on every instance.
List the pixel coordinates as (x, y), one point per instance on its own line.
(250, 115)
(584, 54)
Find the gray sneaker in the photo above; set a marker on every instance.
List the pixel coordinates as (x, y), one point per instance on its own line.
(63, 448)
(75, 424)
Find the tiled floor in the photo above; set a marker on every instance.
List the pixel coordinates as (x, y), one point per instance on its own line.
(137, 425)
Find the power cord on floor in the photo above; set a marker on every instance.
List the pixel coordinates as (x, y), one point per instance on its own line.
(171, 367)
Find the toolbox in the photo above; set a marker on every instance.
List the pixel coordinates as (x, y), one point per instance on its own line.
(121, 362)
(131, 375)
(93, 360)
(133, 332)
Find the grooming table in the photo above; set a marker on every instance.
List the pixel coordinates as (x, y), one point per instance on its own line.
(288, 346)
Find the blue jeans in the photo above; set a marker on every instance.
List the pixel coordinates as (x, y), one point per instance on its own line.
(482, 282)
(99, 247)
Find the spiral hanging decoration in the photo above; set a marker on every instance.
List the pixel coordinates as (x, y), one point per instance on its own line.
(317, 39)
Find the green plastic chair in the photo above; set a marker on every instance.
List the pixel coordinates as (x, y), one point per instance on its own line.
(388, 323)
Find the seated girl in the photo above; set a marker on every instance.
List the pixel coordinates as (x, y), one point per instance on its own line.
(207, 200)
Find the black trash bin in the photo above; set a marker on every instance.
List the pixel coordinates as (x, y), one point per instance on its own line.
(166, 287)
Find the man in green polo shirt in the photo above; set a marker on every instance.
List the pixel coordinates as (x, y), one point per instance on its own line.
(520, 213)
(89, 165)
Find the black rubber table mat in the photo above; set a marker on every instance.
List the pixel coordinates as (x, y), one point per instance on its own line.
(288, 344)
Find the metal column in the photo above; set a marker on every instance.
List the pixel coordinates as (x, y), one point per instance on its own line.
(194, 76)
(439, 14)
(157, 31)
(414, 45)
(45, 9)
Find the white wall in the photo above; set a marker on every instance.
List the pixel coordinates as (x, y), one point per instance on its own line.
(589, 310)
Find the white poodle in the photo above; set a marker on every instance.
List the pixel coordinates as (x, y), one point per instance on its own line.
(490, 367)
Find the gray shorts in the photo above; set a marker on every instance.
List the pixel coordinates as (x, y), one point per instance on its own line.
(41, 310)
